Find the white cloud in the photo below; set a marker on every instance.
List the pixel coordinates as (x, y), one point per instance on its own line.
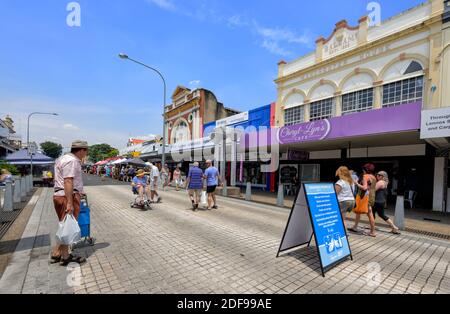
(273, 47)
(237, 21)
(164, 4)
(195, 83)
(70, 127)
(278, 34)
(276, 40)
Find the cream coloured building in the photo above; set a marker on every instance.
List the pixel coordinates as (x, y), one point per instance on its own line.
(362, 94)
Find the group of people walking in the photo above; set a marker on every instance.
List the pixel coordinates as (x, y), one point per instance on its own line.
(195, 185)
(364, 195)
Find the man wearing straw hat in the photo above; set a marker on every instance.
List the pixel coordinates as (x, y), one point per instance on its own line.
(67, 196)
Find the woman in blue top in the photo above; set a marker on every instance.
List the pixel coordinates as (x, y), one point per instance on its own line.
(139, 183)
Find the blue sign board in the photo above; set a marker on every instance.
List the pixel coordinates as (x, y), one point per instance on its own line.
(316, 213)
(326, 218)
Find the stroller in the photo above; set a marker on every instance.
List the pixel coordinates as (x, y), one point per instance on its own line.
(138, 203)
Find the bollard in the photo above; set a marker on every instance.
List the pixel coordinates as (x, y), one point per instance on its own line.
(24, 183)
(16, 198)
(224, 190)
(23, 189)
(399, 219)
(248, 192)
(30, 184)
(280, 198)
(8, 202)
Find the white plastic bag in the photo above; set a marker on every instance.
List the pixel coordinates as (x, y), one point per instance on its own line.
(69, 231)
(203, 199)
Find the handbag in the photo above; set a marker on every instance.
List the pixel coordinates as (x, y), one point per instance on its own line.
(69, 231)
(203, 199)
(362, 204)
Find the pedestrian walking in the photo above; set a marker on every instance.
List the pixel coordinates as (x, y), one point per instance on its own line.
(365, 200)
(381, 199)
(131, 173)
(177, 178)
(344, 189)
(154, 181)
(194, 185)
(67, 195)
(165, 176)
(212, 177)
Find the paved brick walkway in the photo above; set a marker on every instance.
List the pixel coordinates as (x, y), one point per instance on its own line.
(231, 250)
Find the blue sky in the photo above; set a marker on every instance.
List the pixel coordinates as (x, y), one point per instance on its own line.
(228, 46)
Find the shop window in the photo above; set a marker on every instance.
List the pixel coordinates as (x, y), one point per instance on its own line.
(358, 101)
(403, 92)
(294, 116)
(323, 109)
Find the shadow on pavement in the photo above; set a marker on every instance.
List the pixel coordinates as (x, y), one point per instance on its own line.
(7, 247)
(307, 256)
(88, 251)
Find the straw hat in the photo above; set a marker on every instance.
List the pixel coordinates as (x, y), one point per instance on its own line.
(140, 173)
(80, 144)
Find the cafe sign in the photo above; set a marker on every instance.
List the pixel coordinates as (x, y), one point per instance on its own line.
(305, 132)
(435, 123)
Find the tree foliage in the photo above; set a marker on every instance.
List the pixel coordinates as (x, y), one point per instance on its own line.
(51, 149)
(10, 168)
(100, 152)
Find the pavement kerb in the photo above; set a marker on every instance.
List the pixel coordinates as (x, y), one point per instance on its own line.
(14, 276)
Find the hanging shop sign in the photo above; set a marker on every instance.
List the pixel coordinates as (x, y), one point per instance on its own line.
(435, 123)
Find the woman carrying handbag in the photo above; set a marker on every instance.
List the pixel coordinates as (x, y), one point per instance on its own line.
(365, 199)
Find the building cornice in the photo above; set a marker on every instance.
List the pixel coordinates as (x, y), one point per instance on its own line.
(362, 48)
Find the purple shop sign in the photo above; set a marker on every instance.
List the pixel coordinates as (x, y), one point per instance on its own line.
(305, 132)
(394, 119)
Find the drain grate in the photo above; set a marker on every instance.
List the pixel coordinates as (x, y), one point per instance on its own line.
(429, 234)
(6, 221)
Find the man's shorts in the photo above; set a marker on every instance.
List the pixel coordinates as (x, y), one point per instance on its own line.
(154, 186)
(195, 192)
(211, 189)
(60, 203)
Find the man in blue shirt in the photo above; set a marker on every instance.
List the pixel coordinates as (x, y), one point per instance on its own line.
(139, 184)
(212, 177)
(195, 185)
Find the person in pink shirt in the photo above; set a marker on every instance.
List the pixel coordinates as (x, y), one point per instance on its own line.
(67, 196)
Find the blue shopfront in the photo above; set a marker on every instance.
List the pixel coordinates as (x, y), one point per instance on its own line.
(247, 171)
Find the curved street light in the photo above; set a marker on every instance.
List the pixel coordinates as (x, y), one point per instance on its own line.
(28, 135)
(126, 57)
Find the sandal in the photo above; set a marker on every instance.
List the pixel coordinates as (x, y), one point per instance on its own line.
(55, 259)
(353, 230)
(396, 232)
(368, 234)
(72, 259)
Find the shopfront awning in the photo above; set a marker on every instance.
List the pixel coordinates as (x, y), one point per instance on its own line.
(363, 125)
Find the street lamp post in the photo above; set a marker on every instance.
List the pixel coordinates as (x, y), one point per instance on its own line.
(126, 57)
(28, 137)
